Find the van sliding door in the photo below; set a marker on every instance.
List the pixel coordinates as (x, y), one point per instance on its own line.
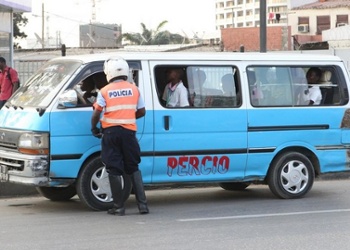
(206, 140)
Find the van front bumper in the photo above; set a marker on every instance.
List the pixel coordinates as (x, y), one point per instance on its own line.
(24, 169)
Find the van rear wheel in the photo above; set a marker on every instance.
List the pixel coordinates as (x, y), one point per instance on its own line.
(93, 186)
(58, 193)
(291, 176)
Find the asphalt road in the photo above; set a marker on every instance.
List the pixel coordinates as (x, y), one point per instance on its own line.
(187, 218)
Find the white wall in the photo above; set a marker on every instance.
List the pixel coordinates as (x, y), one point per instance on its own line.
(312, 14)
(5, 22)
(297, 3)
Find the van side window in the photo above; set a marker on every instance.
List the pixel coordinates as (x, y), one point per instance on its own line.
(288, 86)
(87, 88)
(213, 86)
(206, 86)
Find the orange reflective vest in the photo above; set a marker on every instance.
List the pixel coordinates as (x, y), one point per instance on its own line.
(121, 104)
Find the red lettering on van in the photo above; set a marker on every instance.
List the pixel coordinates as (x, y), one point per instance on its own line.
(193, 165)
(172, 164)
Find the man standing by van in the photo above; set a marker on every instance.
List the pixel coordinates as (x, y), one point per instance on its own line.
(122, 104)
(8, 82)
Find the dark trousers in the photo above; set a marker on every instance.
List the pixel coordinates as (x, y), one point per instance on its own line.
(120, 150)
(2, 103)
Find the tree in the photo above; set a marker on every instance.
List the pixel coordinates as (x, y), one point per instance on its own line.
(19, 21)
(154, 37)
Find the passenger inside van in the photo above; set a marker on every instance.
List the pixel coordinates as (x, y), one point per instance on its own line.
(90, 86)
(299, 86)
(100, 80)
(256, 93)
(313, 77)
(175, 93)
(327, 88)
(230, 97)
(198, 93)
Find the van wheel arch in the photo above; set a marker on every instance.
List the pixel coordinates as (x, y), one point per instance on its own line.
(305, 151)
(292, 173)
(58, 193)
(93, 185)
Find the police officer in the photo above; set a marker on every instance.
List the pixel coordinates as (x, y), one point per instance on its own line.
(122, 105)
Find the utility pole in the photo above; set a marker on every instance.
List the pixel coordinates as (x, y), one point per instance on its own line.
(42, 25)
(263, 26)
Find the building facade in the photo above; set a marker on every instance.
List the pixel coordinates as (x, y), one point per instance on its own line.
(7, 8)
(100, 35)
(289, 25)
(246, 13)
(312, 21)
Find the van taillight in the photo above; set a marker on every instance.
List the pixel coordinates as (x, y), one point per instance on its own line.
(345, 123)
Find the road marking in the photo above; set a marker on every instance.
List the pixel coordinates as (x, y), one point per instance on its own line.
(264, 215)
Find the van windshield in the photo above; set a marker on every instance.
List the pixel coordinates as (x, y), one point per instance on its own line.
(44, 85)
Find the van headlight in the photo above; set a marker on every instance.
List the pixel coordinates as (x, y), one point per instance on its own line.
(34, 143)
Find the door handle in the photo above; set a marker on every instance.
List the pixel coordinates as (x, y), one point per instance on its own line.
(166, 122)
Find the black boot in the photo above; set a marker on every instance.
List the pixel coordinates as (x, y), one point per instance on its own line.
(117, 194)
(140, 195)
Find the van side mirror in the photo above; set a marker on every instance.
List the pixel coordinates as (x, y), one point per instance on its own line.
(68, 99)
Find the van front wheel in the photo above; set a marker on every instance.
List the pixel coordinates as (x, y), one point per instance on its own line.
(57, 193)
(291, 175)
(93, 186)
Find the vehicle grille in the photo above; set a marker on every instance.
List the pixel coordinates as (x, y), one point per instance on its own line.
(12, 164)
(8, 145)
(9, 139)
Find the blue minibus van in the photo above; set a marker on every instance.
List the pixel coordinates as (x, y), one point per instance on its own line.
(249, 122)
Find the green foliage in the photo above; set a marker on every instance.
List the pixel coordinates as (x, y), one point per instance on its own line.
(19, 21)
(154, 37)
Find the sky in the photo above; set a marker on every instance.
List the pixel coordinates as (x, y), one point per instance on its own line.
(62, 18)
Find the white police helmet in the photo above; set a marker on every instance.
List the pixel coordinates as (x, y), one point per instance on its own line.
(114, 67)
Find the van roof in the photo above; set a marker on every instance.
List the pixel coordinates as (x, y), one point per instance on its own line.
(202, 56)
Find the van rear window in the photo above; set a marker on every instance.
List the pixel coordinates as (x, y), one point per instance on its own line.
(275, 86)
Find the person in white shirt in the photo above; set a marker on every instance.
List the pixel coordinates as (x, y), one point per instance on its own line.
(313, 76)
(175, 93)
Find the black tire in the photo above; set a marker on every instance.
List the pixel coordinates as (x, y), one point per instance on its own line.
(291, 176)
(93, 186)
(234, 186)
(58, 193)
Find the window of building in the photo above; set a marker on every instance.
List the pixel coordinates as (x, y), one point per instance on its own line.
(303, 20)
(229, 3)
(229, 15)
(342, 20)
(323, 23)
